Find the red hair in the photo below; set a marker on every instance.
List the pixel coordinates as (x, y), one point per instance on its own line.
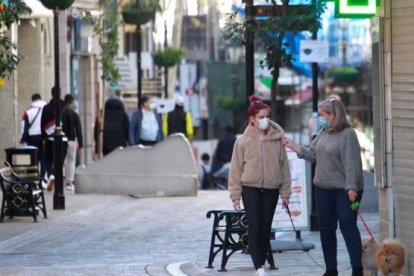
(256, 105)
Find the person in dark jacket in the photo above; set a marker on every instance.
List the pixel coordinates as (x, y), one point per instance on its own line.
(178, 120)
(73, 130)
(48, 125)
(116, 125)
(145, 127)
(224, 149)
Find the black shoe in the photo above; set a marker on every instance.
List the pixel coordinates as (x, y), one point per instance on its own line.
(357, 271)
(331, 272)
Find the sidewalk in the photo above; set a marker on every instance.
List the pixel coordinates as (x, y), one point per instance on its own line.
(121, 235)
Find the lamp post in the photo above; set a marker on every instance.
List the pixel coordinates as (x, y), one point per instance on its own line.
(58, 196)
(343, 26)
(165, 67)
(139, 50)
(314, 220)
(249, 53)
(165, 48)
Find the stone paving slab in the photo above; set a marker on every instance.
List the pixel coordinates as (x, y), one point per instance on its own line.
(121, 235)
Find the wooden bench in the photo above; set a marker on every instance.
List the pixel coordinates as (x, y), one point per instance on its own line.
(229, 234)
(22, 196)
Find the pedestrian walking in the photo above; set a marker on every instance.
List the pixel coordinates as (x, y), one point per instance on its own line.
(116, 125)
(48, 125)
(259, 173)
(204, 172)
(31, 132)
(338, 180)
(145, 127)
(178, 120)
(73, 130)
(224, 150)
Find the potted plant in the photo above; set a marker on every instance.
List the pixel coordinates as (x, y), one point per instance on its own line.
(142, 14)
(343, 73)
(168, 57)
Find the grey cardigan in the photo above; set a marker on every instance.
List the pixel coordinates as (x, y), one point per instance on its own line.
(338, 160)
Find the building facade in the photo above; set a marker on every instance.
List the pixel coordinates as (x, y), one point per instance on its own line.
(393, 64)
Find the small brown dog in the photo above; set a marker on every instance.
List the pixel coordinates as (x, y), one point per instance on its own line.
(390, 257)
(369, 251)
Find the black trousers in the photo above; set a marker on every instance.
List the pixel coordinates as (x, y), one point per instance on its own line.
(260, 206)
(36, 141)
(146, 142)
(49, 156)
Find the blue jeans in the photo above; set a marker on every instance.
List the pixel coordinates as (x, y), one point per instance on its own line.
(260, 206)
(334, 206)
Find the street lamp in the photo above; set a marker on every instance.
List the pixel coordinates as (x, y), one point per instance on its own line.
(58, 196)
(138, 16)
(139, 50)
(165, 48)
(249, 52)
(343, 26)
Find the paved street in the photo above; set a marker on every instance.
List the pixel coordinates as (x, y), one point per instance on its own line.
(121, 235)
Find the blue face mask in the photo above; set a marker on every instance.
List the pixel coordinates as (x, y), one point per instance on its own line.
(323, 123)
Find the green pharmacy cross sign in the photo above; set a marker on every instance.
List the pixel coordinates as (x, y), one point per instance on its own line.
(355, 8)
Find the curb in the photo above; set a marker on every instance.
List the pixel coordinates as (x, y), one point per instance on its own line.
(190, 268)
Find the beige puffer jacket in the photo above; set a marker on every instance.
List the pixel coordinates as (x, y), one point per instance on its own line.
(260, 163)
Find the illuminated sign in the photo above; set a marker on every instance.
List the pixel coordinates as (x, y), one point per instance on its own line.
(355, 8)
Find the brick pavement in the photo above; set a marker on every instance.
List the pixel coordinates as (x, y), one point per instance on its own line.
(121, 235)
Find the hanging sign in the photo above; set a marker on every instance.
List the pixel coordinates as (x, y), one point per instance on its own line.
(314, 51)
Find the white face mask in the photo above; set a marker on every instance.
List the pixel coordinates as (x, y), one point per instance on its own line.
(264, 123)
(153, 106)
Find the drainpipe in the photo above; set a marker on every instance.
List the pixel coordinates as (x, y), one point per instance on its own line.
(388, 118)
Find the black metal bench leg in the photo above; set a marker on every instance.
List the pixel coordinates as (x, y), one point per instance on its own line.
(211, 255)
(42, 197)
(33, 207)
(224, 258)
(3, 205)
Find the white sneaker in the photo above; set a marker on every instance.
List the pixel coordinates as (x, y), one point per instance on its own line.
(70, 186)
(260, 272)
(50, 183)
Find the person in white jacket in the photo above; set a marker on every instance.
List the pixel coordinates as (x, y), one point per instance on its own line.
(31, 133)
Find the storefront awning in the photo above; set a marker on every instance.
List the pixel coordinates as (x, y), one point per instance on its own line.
(300, 97)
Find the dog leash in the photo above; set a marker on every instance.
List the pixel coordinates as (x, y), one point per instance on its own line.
(300, 241)
(355, 207)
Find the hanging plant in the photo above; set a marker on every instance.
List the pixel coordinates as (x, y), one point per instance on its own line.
(168, 57)
(230, 103)
(343, 73)
(60, 4)
(139, 16)
(9, 14)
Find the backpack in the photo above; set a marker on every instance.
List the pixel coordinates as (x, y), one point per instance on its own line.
(207, 182)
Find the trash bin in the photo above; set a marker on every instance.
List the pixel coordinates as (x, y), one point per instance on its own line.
(23, 160)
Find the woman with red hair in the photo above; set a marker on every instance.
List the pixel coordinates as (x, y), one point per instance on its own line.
(259, 173)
